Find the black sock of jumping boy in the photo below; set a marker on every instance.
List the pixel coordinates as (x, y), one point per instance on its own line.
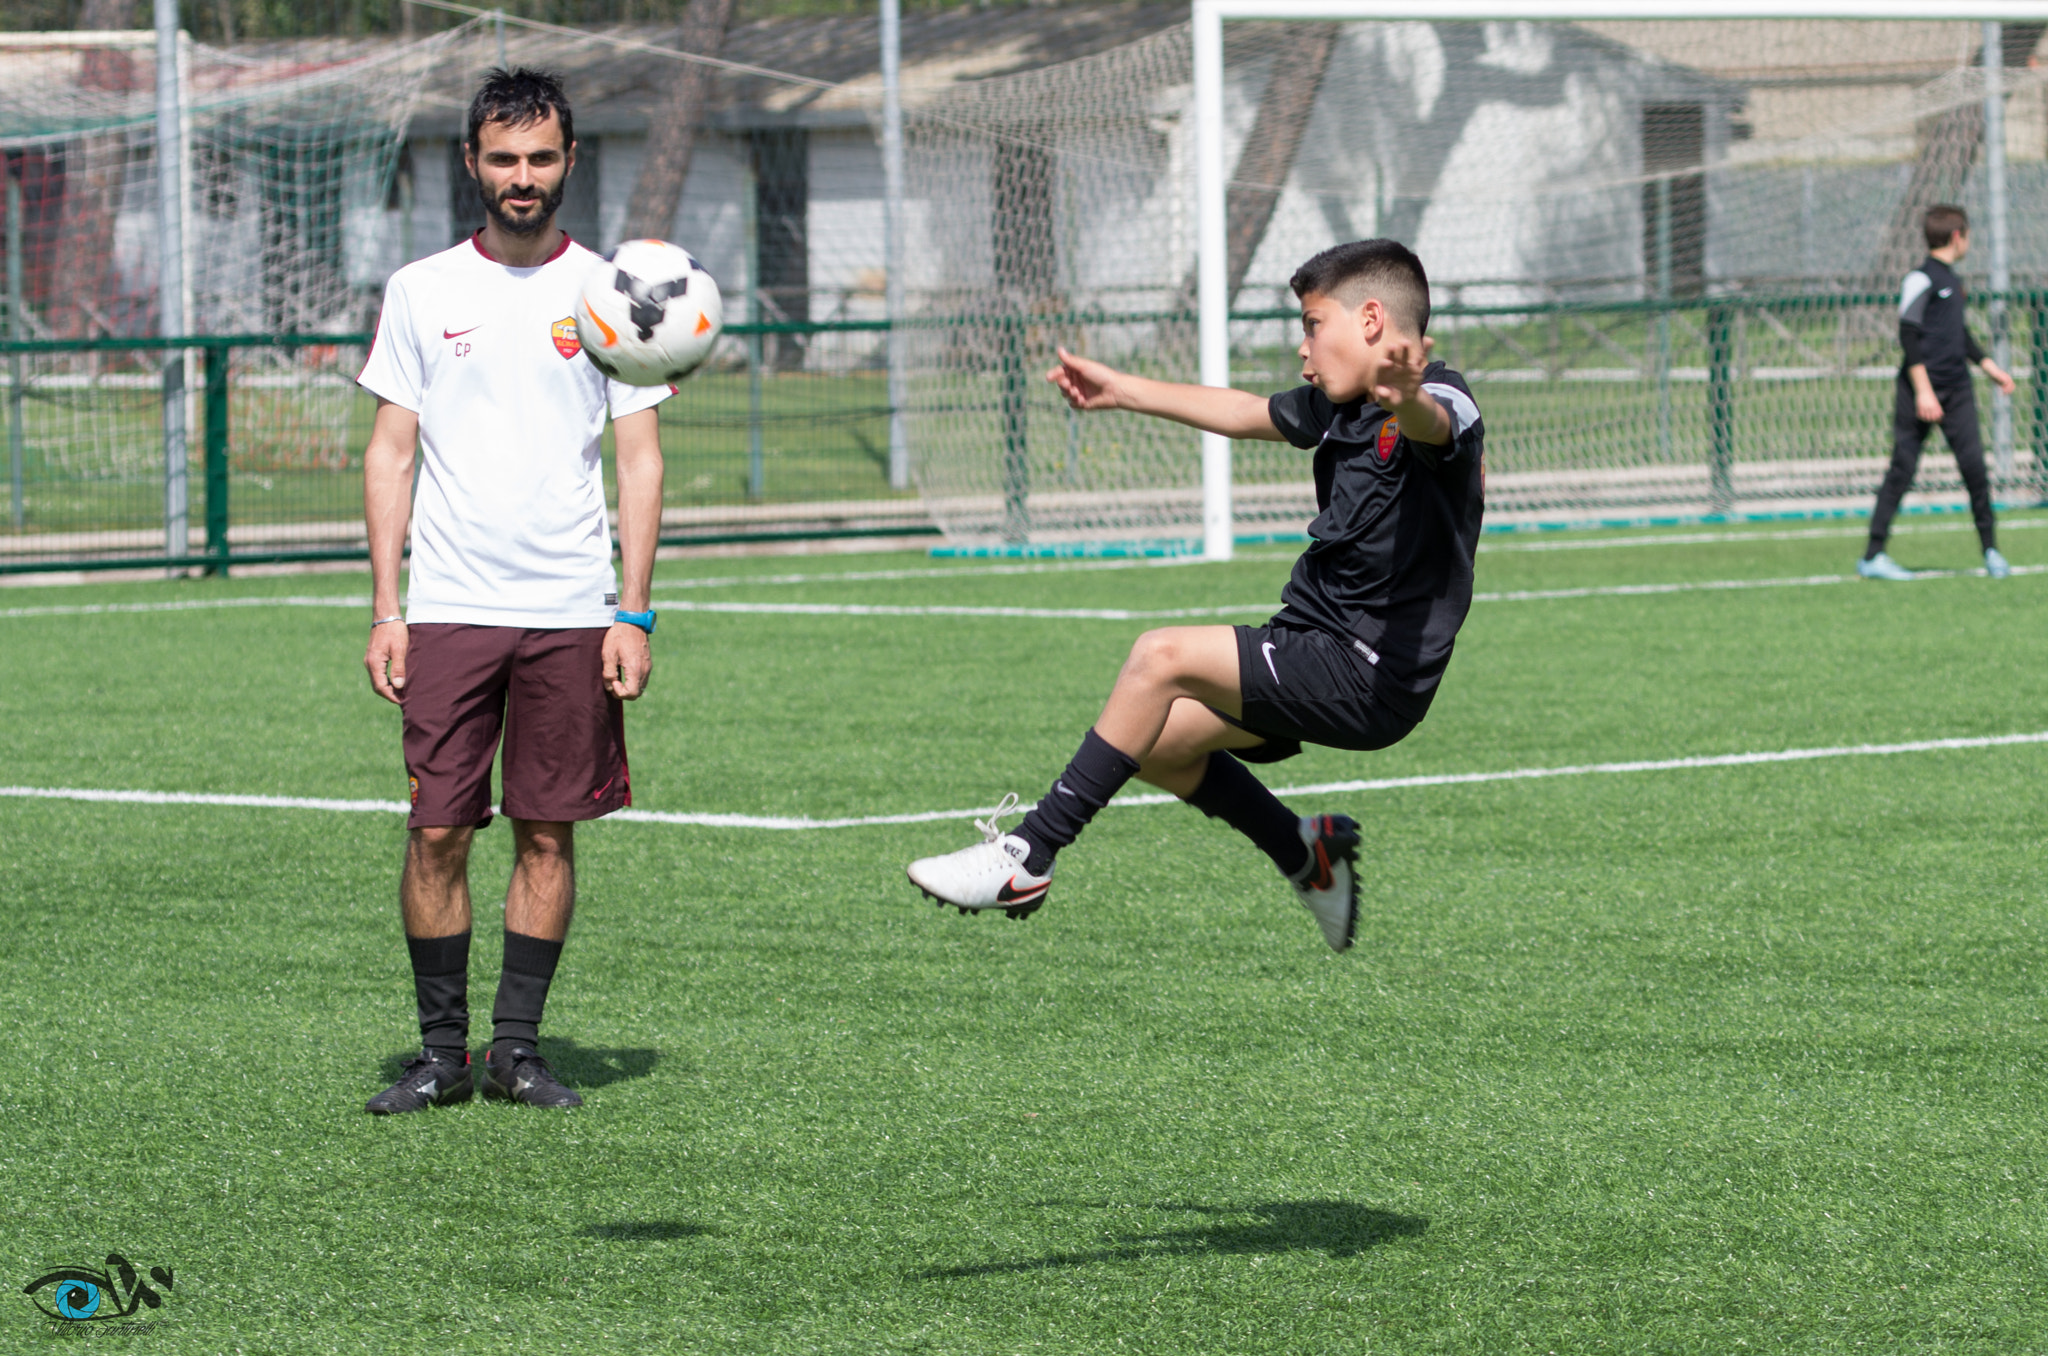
(440, 980)
(1231, 793)
(1098, 772)
(522, 991)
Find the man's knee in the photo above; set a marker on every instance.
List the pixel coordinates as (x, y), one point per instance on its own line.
(542, 838)
(443, 849)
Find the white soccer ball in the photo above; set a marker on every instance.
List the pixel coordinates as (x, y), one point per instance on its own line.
(648, 314)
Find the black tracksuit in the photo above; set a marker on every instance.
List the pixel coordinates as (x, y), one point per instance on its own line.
(1931, 331)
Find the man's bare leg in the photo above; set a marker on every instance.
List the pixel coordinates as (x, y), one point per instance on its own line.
(538, 905)
(542, 896)
(433, 901)
(433, 892)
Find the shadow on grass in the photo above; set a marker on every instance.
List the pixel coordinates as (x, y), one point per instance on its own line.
(579, 1066)
(1338, 1228)
(644, 1230)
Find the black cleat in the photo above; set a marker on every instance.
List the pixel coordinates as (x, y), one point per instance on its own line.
(428, 1080)
(1328, 885)
(523, 1076)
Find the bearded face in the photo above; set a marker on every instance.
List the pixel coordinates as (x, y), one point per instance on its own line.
(524, 210)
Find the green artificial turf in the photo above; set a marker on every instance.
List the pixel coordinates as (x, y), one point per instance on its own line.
(1714, 1060)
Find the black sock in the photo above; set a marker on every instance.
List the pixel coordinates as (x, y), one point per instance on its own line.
(440, 980)
(1098, 772)
(1231, 793)
(523, 990)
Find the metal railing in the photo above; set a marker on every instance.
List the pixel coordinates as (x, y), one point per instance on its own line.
(1589, 404)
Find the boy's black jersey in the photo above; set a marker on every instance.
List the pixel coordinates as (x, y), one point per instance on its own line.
(1931, 325)
(1389, 563)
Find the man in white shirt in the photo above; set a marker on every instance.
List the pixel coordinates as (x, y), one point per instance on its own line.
(514, 621)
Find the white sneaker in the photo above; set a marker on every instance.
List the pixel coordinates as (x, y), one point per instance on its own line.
(989, 875)
(1994, 564)
(1882, 566)
(1328, 885)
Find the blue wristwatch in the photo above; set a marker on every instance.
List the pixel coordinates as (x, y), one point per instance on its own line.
(643, 620)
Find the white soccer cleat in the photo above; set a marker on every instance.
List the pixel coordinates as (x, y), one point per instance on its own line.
(1328, 885)
(1995, 564)
(989, 875)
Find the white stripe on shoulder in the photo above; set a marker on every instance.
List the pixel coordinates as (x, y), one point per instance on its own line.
(1915, 287)
(1464, 413)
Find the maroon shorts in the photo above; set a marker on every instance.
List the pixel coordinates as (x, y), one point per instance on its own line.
(565, 735)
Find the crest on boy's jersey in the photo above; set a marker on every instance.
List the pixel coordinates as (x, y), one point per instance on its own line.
(1390, 431)
(564, 334)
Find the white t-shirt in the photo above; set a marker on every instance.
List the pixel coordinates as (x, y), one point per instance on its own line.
(508, 522)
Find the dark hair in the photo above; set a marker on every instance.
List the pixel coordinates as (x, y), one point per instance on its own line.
(519, 98)
(1386, 270)
(1944, 219)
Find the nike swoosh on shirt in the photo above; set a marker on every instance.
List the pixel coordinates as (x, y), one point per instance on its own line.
(457, 334)
(1267, 650)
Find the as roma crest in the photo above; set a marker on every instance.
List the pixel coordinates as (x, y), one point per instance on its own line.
(564, 333)
(1390, 432)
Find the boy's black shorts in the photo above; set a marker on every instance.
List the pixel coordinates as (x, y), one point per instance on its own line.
(1303, 686)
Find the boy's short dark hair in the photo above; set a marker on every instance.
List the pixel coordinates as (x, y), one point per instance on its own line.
(1943, 220)
(519, 98)
(1383, 269)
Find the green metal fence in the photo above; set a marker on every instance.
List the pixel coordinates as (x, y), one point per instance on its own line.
(788, 436)
(1592, 409)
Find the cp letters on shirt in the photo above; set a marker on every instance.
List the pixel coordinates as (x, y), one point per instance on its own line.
(508, 522)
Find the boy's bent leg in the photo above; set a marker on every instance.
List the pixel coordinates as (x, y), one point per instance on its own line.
(1164, 667)
(1198, 662)
(1317, 855)
(1012, 871)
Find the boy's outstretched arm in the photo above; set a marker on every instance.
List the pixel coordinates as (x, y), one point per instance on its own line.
(1090, 385)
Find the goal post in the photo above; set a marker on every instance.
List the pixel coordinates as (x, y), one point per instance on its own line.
(1209, 18)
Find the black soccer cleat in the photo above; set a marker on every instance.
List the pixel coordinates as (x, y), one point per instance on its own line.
(523, 1076)
(428, 1080)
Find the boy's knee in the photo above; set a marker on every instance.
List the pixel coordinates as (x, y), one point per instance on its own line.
(1157, 654)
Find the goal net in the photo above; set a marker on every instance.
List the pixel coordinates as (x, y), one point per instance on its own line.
(290, 224)
(1666, 254)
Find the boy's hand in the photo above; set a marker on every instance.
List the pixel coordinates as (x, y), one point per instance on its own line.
(1400, 383)
(1087, 384)
(1999, 375)
(1926, 407)
(1399, 392)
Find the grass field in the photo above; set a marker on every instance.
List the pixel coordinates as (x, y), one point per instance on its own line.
(1714, 1059)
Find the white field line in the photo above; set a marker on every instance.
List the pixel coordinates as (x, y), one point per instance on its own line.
(1737, 536)
(798, 822)
(1040, 613)
(181, 605)
(949, 610)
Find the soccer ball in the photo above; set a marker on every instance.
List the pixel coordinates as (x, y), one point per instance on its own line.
(648, 314)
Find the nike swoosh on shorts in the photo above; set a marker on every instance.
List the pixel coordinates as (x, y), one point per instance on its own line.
(1266, 649)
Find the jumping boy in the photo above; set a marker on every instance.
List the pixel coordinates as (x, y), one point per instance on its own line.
(1934, 388)
(1352, 659)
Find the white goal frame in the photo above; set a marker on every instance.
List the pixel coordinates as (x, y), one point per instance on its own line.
(1218, 519)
